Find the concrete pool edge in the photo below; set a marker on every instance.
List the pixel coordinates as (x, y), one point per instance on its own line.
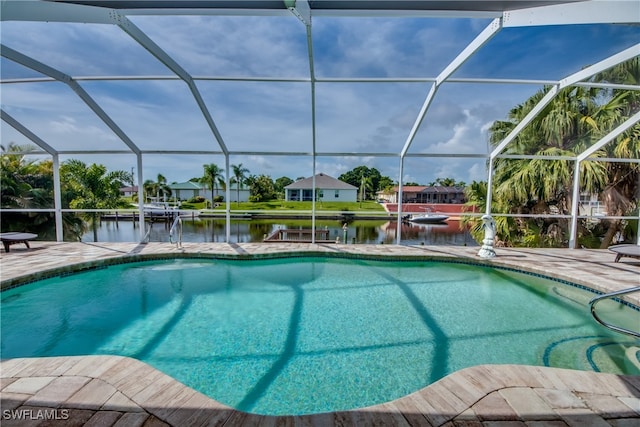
(117, 389)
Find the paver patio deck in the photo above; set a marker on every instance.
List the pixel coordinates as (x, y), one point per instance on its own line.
(119, 391)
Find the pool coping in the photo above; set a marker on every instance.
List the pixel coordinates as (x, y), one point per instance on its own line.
(485, 393)
(117, 390)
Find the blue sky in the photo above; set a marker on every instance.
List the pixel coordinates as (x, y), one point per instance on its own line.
(276, 116)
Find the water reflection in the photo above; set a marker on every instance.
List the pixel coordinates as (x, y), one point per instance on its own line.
(245, 231)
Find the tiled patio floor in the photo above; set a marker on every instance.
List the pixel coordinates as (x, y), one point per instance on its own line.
(114, 390)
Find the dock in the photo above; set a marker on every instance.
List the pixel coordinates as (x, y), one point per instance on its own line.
(299, 236)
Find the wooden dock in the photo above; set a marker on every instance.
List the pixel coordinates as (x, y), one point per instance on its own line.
(299, 236)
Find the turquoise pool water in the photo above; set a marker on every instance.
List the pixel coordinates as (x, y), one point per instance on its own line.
(307, 335)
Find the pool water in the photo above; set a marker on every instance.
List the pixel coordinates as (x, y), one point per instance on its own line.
(308, 335)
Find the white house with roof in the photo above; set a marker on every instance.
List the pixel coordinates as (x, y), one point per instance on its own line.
(187, 190)
(328, 189)
(190, 189)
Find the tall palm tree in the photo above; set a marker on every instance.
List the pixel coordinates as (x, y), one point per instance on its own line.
(366, 187)
(149, 187)
(92, 187)
(162, 188)
(159, 187)
(239, 179)
(212, 177)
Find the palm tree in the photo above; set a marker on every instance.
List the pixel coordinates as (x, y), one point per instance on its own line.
(366, 185)
(573, 121)
(239, 178)
(162, 189)
(149, 187)
(28, 184)
(620, 192)
(92, 187)
(212, 177)
(18, 176)
(158, 187)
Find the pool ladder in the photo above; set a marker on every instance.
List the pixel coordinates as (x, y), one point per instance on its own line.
(176, 227)
(597, 299)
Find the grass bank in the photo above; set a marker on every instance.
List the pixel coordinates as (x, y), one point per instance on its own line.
(283, 206)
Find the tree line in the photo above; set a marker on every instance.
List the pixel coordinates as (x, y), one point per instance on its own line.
(28, 184)
(573, 121)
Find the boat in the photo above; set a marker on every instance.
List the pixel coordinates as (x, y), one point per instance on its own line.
(158, 209)
(428, 217)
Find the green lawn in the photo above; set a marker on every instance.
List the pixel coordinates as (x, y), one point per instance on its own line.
(281, 205)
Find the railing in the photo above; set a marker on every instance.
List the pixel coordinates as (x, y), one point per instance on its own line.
(176, 227)
(145, 239)
(597, 299)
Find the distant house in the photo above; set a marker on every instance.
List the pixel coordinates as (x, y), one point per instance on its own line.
(429, 194)
(190, 189)
(187, 190)
(327, 189)
(128, 191)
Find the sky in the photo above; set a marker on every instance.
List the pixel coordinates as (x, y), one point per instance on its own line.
(265, 116)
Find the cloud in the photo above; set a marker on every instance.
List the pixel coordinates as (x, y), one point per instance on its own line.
(446, 114)
(468, 137)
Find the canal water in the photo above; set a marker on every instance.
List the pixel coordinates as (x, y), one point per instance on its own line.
(204, 230)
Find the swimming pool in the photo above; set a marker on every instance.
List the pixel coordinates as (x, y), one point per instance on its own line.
(307, 335)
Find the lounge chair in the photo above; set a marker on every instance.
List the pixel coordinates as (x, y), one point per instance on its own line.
(14, 237)
(628, 250)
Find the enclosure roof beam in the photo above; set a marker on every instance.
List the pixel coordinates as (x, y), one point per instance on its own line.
(139, 36)
(583, 12)
(480, 40)
(567, 81)
(631, 121)
(301, 9)
(26, 132)
(35, 65)
(325, 80)
(44, 11)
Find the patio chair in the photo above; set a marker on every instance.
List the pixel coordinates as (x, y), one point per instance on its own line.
(13, 237)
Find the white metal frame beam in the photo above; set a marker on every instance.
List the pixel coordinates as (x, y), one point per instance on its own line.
(573, 233)
(38, 66)
(301, 10)
(584, 12)
(44, 11)
(141, 38)
(585, 73)
(480, 40)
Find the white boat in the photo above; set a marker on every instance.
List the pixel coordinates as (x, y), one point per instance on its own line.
(157, 208)
(428, 217)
